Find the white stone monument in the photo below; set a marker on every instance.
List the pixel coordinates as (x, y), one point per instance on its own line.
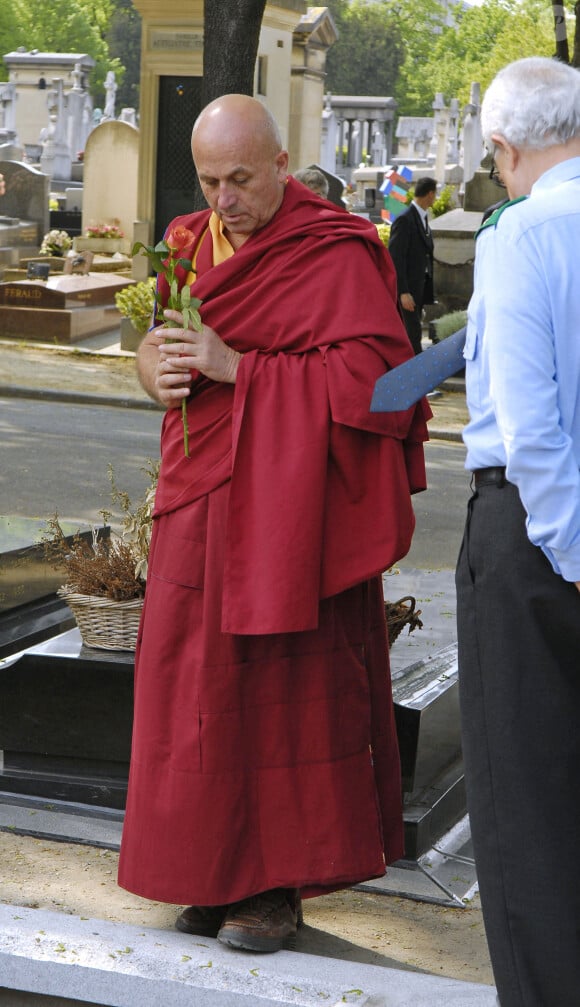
(472, 146)
(328, 137)
(128, 115)
(55, 159)
(110, 177)
(76, 105)
(8, 107)
(414, 135)
(110, 92)
(453, 139)
(440, 140)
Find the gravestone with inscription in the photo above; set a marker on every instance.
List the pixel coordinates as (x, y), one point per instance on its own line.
(64, 309)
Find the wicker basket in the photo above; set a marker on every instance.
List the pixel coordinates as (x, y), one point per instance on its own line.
(103, 623)
(399, 614)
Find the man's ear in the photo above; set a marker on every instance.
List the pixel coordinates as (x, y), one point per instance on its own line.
(510, 155)
(282, 163)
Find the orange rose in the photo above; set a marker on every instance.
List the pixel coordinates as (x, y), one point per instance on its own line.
(179, 239)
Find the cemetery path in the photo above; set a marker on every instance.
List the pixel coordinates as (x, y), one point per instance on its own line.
(110, 375)
(382, 930)
(49, 368)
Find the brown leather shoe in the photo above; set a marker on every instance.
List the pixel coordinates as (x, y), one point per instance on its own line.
(204, 921)
(265, 922)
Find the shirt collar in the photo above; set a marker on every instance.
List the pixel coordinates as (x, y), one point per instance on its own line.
(565, 171)
(422, 213)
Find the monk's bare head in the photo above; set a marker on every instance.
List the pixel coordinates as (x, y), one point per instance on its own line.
(240, 163)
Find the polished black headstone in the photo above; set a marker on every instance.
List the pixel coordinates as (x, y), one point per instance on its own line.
(66, 714)
(426, 697)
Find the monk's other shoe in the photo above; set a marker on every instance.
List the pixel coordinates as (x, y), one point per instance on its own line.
(265, 923)
(204, 921)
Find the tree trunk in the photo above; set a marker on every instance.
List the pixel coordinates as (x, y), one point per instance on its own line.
(576, 53)
(562, 52)
(230, 45)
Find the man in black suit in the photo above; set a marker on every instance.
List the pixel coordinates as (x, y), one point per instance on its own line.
(411, 248)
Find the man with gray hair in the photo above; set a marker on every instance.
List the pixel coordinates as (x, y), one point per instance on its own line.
(314, 180)
(518, 575)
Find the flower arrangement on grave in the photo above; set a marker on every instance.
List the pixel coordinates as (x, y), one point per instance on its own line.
(165, 258)
(104, 231)
(56, 243)
(136, 302)
(113, 567)
(384, 233)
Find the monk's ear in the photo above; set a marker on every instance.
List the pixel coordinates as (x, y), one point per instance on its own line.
(281, 163)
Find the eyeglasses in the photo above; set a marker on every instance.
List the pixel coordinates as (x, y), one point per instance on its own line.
(494, 173)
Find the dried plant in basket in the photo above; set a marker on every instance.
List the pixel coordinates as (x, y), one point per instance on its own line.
(115, 566)
(399, 614)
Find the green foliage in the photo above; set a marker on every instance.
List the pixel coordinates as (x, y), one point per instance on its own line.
(123, 37)
(483, 40)
(137, 302)
(10, 33)
(370, 49)
(445, 201)
(389, 47)
(446, 325)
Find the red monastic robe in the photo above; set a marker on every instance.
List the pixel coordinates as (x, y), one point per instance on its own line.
(264, 745)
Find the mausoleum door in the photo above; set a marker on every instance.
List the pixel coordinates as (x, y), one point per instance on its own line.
(179, 105)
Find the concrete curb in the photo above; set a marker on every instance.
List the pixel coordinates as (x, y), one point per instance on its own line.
(116, 965)
(75, 398)
(117, 401)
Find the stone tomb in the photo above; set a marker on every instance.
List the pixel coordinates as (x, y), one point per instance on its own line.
(65, 309)
(66, 714)
(66, 709)
(65, 728)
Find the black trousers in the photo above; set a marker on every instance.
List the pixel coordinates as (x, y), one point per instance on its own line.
(519, 679)
(413, 325)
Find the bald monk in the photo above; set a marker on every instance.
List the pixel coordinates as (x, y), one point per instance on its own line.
(264, 763)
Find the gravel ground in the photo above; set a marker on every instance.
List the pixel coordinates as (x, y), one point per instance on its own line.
(374, 929)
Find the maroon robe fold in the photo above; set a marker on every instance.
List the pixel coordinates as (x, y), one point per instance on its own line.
(264, 749)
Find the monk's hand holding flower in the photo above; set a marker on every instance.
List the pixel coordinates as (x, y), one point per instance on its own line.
(187, 349)
(169, 257)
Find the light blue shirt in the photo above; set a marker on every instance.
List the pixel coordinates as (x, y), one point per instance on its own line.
(522, 356)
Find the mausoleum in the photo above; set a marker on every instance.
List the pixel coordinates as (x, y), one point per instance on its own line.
(289, 79)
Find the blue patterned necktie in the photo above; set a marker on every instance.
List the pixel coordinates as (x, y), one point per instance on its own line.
(406, 384)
